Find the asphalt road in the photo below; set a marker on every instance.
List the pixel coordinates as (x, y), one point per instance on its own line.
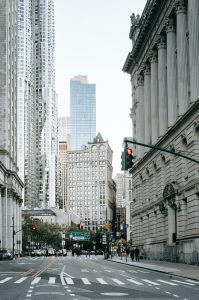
(85, 278)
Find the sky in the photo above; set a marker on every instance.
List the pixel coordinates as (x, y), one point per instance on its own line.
(92, 38)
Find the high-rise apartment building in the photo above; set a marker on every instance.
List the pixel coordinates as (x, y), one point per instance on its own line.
(37, 104)
(10, 183)
(90, 184)
(82, 112)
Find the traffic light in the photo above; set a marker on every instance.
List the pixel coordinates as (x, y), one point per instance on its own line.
(127, 159)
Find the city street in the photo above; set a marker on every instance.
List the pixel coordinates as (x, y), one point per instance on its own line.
(78, 278)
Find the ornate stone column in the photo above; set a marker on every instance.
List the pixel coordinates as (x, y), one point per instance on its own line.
(140, 127)
(154, 97)
(133, 109)
(1, 221)
(193, 27)
(162, 86)
(171, 72)
(9, 218)
(4, 218)
(147, 104)
(182, 57)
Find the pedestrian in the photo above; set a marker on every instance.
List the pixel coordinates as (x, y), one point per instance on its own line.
(132, 253)
(137, 254)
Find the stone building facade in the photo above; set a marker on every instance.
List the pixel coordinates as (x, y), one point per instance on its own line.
(90, 188)
(164, 69)
(10, 183)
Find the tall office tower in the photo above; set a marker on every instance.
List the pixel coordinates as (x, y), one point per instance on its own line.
(37, 103)
(10, 183)
(90, 191)
(82, 111)
(120, 184)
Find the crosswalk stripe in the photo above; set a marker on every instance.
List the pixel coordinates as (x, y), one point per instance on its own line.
(21, 280)
(183, 282)
(151, 282)
(86, 281)
(36, 280)
(118, 281)
(134, 281)
(167, 282)
(101, 280)
(69, 280)
(52, 280)
(5, 280)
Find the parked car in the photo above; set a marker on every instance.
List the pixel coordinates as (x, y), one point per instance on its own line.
(62, 252)
(6, 254)
(51, 252)
(36, 252)
(100, 252)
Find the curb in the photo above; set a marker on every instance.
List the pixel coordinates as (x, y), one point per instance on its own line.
(159, 271)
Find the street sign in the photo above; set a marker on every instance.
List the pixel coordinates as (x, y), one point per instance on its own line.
(80, 235)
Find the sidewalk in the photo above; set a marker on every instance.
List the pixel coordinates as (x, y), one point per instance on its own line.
(177, 269)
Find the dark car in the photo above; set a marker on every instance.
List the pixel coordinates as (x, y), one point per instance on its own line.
(100, 252)
(5, 254)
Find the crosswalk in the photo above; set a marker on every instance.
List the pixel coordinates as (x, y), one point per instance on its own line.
(111, 281)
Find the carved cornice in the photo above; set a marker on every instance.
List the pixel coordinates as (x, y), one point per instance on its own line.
(151, 24)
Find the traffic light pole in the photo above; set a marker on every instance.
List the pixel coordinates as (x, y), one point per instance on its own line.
(133, 141)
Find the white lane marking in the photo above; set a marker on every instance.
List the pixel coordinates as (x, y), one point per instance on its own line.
(114, 294)
(167, 282)
(183, 282)
(132, 271)
(146, 272)
(63, 275)
(86, 281)
(69, 280)
(101, 280)
(5, 280)
(36, 280)
(134, 281)
(151, 282)
(118, 281)
(20, 280)
(192, 281)
(51, 280)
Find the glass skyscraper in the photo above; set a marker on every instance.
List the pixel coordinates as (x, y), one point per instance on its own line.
(82, 112)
